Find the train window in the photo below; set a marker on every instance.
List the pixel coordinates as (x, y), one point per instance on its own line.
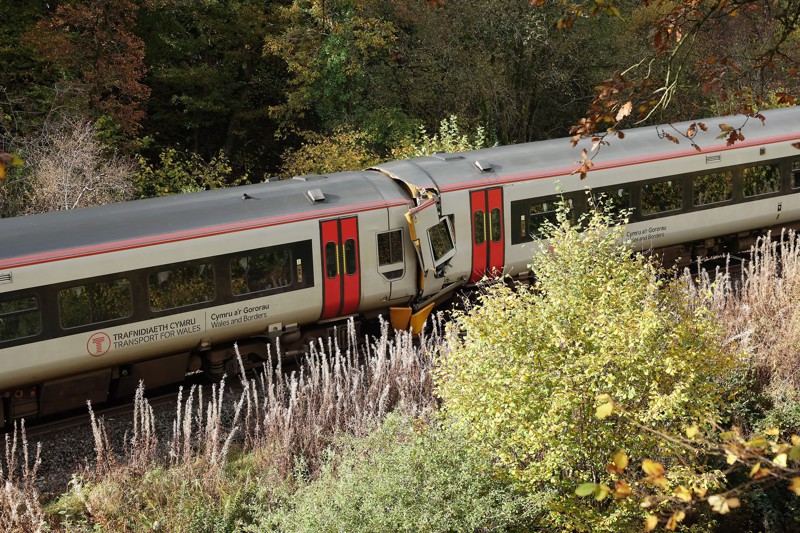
(181, 286)
(441, 238)
(390, 247)
(615, 202)
(350, 259)
(796, 174)
(662, 196)
(495, 228)
(261, 271)
(712, 188)
(332, 259)
(390, 254)
(761, 180)
(19, 318)
(94, 303)
(541, 212)
(479, 227)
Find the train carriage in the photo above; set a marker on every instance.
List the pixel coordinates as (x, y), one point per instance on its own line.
(92, 301)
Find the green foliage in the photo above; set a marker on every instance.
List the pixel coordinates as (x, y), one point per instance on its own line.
(406, 476)
(537, 364)
(190, 498)
(449, 139)
(211, 84)
(331, 51)
(182, 172)
(342, 150)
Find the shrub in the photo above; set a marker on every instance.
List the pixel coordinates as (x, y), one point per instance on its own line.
(599, 325)
(183, 172)
(406, 476)
(67, 167)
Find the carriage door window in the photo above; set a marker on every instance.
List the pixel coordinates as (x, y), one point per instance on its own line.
(488, 254)
(390, 254)
(341, 290)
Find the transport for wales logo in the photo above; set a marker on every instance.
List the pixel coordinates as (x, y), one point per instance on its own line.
(98, 344)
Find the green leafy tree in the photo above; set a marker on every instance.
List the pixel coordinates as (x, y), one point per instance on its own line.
(322, 154)
(211, 84)
(337, 56)
(180, 172)
(449, 138)
(536, 364)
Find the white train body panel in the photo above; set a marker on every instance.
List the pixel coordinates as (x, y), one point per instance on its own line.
(270, 261)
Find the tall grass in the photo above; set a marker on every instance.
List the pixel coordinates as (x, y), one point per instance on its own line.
(20, 510)
(281, 425)
(339, 389)
(759, 305)
(290, 416)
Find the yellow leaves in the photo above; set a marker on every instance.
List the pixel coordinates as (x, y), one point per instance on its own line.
(794, 452)
(794, 486)
(730, 457)
(692, 431)
(758, 471)
(655, 473)
(674, 520)
(759, 442)
(683, 494)
(652, 468)
(599, 490)
(622, 489)
(8, 160)
(781, 460)
(651, 522)
(605, 408)
(722, 505)
(619, 463)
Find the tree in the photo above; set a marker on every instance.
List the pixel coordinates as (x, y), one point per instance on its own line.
(66, 167)
(180, 172)
(94, 45)
(321, 154)
(449, 138)
(331, 50)
(211, 84)
(536, 363)
(741, 54)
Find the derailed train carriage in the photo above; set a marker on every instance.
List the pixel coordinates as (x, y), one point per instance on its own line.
(94, 300)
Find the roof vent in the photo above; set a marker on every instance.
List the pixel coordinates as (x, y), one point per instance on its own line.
(315, 196)
(5, 277)
(444, 156)
(713, 158)
(310, 177)
(483, 166)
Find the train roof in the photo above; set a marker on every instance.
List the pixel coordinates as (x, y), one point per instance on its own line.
(180, 217)
(185, 216)
(557, 157)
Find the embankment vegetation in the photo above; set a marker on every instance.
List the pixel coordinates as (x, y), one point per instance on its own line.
(607, 396)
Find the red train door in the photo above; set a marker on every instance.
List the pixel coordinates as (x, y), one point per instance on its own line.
(341, 271)
(488, 255)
